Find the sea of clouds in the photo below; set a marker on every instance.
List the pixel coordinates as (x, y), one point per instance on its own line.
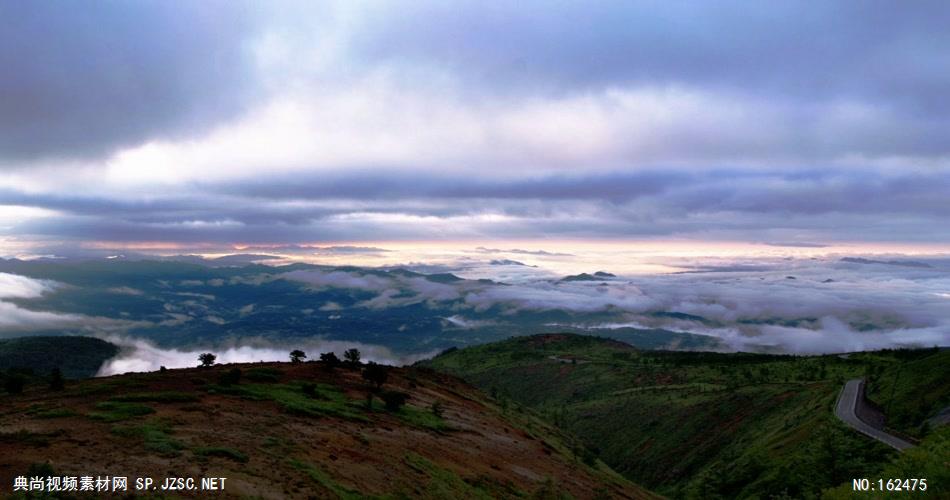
(794, 305)
(803, 305)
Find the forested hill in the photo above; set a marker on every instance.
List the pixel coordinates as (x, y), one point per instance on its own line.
(717, 425)
(77, 357)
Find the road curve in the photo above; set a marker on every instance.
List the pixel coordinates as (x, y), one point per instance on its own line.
(845, 410)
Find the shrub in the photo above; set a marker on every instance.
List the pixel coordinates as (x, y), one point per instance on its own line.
(231, 377)
(207, 359)
(436, 408)
(41, 469)
(155, 436)
(55, 413)
(297, 355)
(376, 374)
(394, 399)
(589, 456)
(14, 383)
(56, 382)
(218, 451)
(156, 397)
(352, 356)
(448, 351)
(330, 360)
(117, 411)
(264, 375)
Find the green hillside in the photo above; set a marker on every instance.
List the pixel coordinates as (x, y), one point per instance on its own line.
(911, 389)
(77, 357)
(930, 460)
(689, 425)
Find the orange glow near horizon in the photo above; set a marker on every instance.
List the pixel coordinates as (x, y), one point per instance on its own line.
(562, 255)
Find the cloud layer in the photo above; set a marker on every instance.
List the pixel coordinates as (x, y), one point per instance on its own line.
(82, 81)
(257, 124)
(19, 319)
(806, 304)
(800, 306)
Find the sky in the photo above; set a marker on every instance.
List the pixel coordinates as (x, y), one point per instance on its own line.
(202, 126)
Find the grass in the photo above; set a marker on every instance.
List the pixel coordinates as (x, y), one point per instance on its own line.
(687, 423)
(912, 390)
(263, 375)
(114, 411)
(157, 397)
(44, 412)
(222, 452)
(155, 437)
(325, 401)
(324, 480)
(439, 483)
(444, 483)
(54, 413)
(929, 460)
(99, 388)
(35, 439)
(423, 418)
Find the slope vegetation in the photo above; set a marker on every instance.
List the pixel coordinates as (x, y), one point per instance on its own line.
(282, 430)
(77, 357)
(695, 425)
(910, 387)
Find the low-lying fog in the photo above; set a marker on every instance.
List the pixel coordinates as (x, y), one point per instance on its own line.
(795, 304)
(138, 355)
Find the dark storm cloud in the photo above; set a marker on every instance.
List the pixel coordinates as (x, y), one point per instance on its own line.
(80, 79)
(805, 191)
(860, 78)
(209, 230)
(812, 192)
(407, 184)
(786, 121)
(233, 198)
(747, 204)
(872, 49)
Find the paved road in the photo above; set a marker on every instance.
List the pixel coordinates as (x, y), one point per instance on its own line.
(845, 410)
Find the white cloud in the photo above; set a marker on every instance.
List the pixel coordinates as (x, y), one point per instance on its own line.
(571, 296)
(20, 319)
(139, 355)
(13, 317)
(13, 286)
(340, 279)
(387, 121)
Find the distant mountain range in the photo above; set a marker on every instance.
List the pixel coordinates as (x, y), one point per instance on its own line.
(189, 301)
(901, 263)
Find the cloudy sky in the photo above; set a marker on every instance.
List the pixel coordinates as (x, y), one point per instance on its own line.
(185, 125)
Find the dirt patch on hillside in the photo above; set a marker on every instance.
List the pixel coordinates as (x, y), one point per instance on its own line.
(277, 438)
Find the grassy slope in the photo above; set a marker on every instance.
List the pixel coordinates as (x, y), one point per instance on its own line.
(911, 390)
(930, 460)
(299, 430)
(77, 357)
(687, 424)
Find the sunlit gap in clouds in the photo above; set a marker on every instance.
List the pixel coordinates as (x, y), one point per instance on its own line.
(626, 257)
